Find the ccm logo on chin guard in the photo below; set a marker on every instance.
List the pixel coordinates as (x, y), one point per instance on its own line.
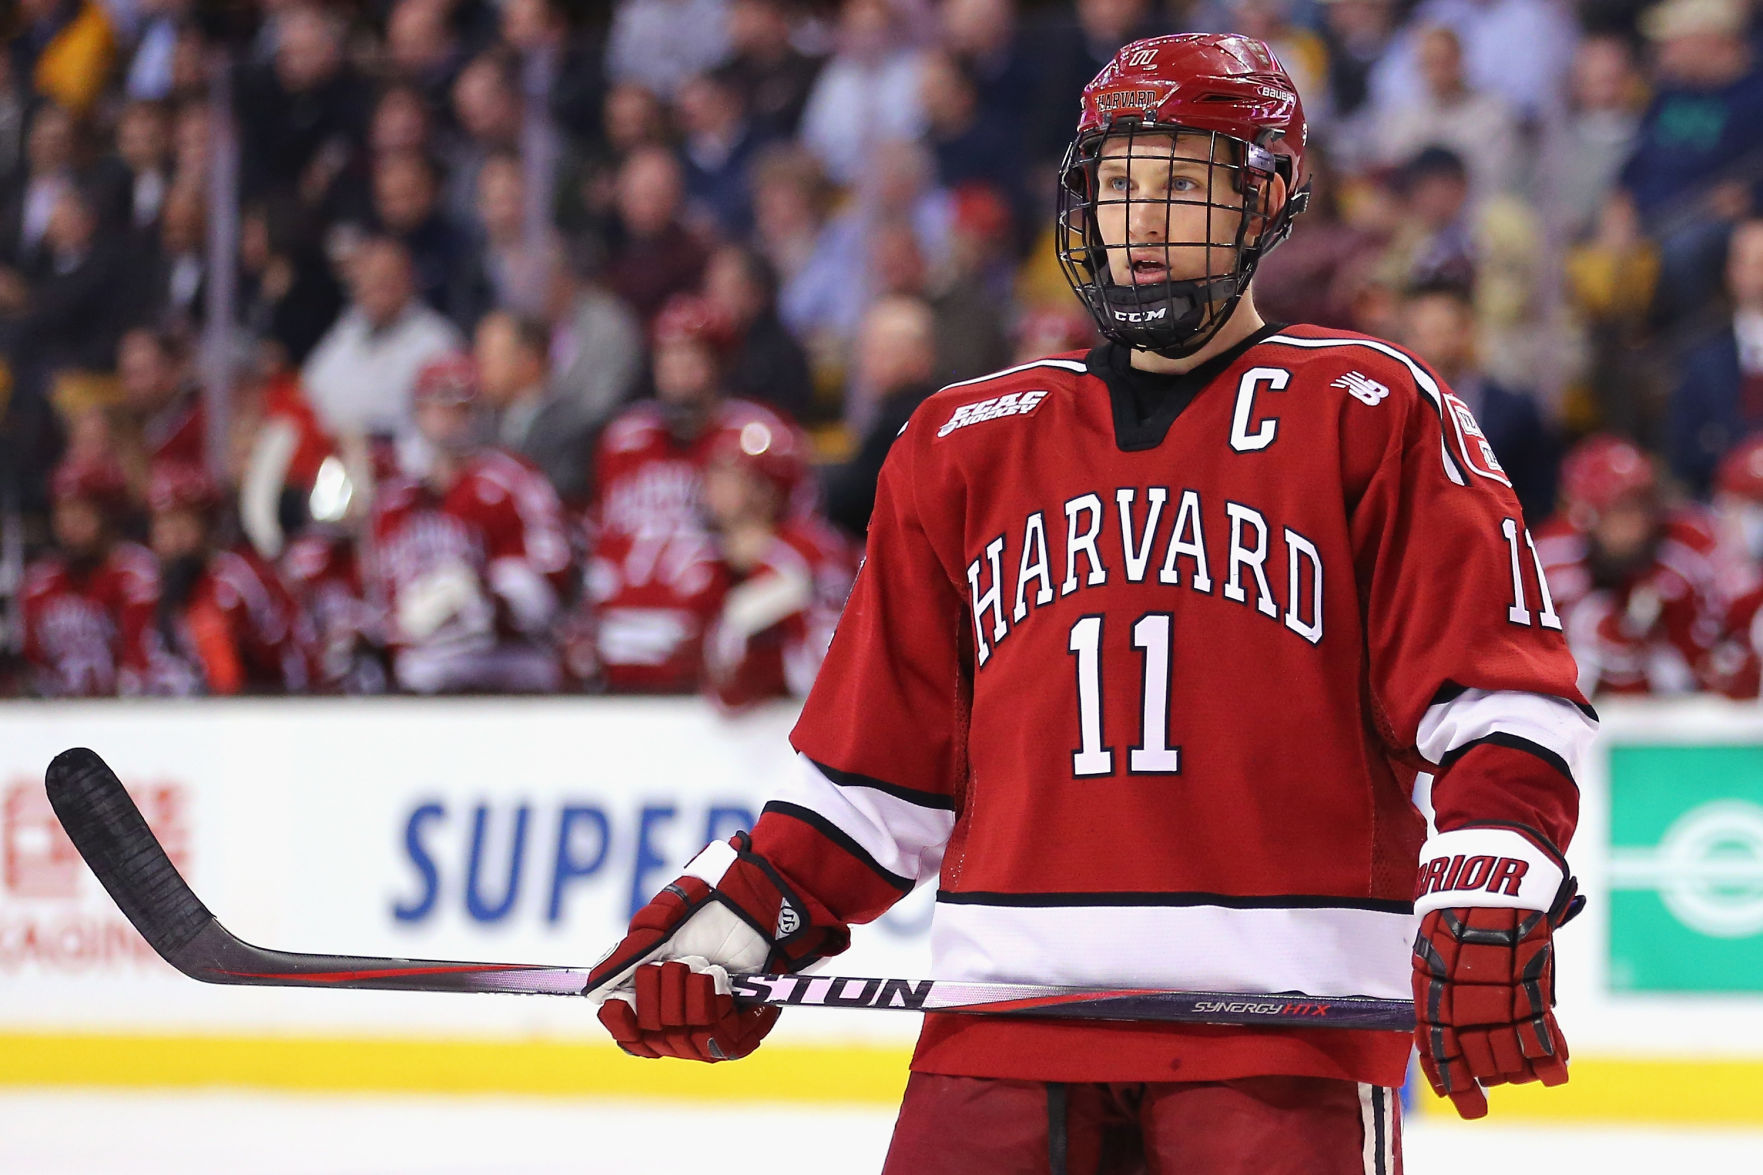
(1009, 404)
(1462, 873)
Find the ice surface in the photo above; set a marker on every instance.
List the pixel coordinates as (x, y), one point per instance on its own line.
(78, 1132)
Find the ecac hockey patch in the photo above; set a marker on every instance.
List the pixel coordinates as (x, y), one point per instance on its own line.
(1009, 404)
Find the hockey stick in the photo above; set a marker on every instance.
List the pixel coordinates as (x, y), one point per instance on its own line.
(110, 833)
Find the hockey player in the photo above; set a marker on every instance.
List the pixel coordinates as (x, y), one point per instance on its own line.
(1635, 582)
(652, 571)
(222, 622)
(468, 556)
(785, 577)
(1738, 513)
(86, 603)
(1147, 647)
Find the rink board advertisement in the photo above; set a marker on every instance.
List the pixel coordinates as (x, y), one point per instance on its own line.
(528, 831)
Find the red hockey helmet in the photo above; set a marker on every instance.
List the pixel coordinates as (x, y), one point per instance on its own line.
(451, 379)
(773, 453)
(84, 479)
(688, 318)
(1741, 470)
(1239, 115)
(177, 485)
(1601, 471)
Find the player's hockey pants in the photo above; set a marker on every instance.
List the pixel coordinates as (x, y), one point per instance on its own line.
(1252, 1126)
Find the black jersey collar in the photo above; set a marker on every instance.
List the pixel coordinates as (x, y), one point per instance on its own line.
(1145, 403)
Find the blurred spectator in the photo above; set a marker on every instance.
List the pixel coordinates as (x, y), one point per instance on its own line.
(422, 48)
(65, 47)
(1067, 57)
(469, 557)
(986, 41)
(561, 69)
(1517, 48)
(969, 331)
(1435, 240)
(1633, 581)
(1356, 35)
(222, 622)
(1610, 279)
(1477, 125)
(519, 268)
(49, 170)
(534, 417)
(1699, 155)
(786, 576)
(12, 124)
(768, 365)
(1585, 149)
(868, 92)
(166, 274)
(967, 144)
(816, 256)
(322, 570)
(86, 602)
(60, 312)
(287, 293)
(597, 346)
(149, 74)
(161, 402)
(143, 161)
(1313, 274)
(360, 374)
(717, 151)
(306, 110)
(443, 256)
(653, 574)
(896, 354)
(633, 118)
(486, 105)
(1719, 396)
(1439, 326)
(655, 255)
(772, 74)
(655, 43)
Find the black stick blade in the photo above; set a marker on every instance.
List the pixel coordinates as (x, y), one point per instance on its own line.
(113, 837)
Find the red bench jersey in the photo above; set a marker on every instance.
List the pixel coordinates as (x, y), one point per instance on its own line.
(1146, 695)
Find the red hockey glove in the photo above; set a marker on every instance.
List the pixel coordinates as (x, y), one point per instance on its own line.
(1484, 970)
(665, 989)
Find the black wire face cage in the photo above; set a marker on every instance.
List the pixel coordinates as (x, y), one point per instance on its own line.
(1186, 224)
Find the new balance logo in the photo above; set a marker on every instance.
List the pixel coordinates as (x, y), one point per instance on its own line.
(1009, 404)
(1361, 387)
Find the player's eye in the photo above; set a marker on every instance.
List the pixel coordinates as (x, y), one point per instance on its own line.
(1182, 183)
(1116, 183)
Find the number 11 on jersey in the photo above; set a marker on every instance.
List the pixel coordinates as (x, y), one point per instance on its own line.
(1153, 637)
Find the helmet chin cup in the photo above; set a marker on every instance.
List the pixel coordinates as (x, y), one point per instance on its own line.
(1166, 317)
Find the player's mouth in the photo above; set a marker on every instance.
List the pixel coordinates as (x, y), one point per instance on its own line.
(1148, 267)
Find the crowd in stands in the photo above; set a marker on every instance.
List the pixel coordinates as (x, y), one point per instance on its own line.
(443, 346)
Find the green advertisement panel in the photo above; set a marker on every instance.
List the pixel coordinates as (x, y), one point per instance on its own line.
(1686, 868)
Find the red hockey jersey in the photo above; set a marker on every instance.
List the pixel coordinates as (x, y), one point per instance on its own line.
(771, 627)
(1655, 631)
(236, 631)
(1144, 683)
(81, 628)
(653, 573)
(471, 579)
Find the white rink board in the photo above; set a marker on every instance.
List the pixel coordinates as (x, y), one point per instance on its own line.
(301, 817)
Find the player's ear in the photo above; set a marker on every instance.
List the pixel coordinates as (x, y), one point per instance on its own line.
(1274, 196)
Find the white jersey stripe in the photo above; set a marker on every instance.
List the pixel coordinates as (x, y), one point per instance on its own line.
(1063, 364)
(904, 838)
(1368, 1127)
(1329, 951)
(1425, 382)
(1553, 723)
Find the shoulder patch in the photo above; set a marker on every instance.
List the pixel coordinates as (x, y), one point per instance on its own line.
(993, 408)
(1471, 444)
